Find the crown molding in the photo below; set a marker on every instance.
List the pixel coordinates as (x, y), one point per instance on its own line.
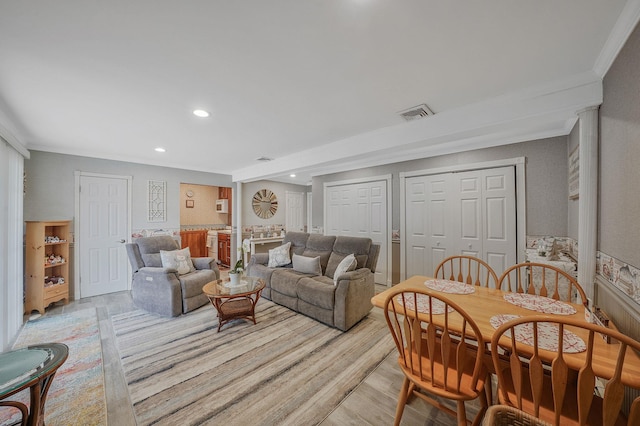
(533, 113)
(618, 36)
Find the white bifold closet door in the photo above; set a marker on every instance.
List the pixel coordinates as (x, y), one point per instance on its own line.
(471, 213)
(360, 210)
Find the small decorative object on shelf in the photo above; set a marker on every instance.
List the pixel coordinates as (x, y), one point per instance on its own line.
(46, 264)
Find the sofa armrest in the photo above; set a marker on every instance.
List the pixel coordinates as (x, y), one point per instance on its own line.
(258, 259)
(353, 297)
(354, 275)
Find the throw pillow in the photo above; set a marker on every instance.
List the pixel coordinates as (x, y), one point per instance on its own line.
(177, 259)
(279, 256)
(349, 263)
(307, 265)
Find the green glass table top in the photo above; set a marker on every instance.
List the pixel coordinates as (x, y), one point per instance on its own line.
(21, 362)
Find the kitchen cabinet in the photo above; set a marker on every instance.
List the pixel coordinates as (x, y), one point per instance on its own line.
(224, 248)
(46, 264)
(196, 241)
(224, 193)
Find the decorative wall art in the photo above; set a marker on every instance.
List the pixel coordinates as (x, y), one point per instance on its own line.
(574, 173)
(265, 204)
(157, 196)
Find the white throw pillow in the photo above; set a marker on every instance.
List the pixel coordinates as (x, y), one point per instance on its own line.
(178, 259)
(347, 264)
(279, 256)
(307, 265)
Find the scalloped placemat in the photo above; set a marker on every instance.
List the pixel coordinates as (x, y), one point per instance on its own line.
(547, 335)
(423, 304)
(539, 303)
(448, 286)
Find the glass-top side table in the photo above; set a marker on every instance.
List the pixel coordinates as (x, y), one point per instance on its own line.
(33, 367)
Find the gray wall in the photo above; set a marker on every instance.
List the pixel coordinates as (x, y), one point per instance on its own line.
(50, 186)
(279, 189)
(546, 181)
(619, 202)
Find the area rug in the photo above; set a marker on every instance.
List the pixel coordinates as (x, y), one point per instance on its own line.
(76, 396)
(286, 369)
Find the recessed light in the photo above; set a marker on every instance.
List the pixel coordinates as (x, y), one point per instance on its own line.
(292, 175)
(160, 149)
(201, 113)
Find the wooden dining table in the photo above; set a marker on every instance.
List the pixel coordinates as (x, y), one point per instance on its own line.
(485, 303)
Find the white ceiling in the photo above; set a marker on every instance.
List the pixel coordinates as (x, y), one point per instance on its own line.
(317, 85)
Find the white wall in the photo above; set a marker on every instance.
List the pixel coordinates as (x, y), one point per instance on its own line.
(249, 218)
(50, 186)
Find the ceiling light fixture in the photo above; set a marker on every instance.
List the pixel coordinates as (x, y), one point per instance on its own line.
(201, 113)
(292, 175)
(160, 149)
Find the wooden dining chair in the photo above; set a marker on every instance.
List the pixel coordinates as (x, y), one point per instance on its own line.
(542, 279)
(468, 270)
(437, 345)
(538, 381)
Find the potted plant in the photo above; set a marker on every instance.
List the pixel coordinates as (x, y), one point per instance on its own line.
(238, 269)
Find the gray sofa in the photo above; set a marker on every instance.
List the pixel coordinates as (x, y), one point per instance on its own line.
(316, 296)
(163, 290)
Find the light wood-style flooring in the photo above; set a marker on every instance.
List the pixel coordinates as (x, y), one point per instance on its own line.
(373, 402)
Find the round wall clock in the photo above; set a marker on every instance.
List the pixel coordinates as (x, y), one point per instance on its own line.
(189, 193)
(265, 204)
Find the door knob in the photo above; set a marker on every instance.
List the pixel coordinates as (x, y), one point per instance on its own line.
(122, 241)
(438, 244)
(469, 246)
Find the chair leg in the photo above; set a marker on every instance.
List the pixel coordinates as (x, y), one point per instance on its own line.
(402, 400)
(462, 414)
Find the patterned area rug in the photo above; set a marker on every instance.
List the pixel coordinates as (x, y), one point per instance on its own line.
(287, 369)
(76, 396)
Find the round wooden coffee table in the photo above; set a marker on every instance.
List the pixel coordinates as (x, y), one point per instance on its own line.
(234, 302)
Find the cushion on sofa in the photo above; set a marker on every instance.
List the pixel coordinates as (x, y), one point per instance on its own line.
(298, 241)
(279, 256)
(343, 246)
(320, 245)
(177, 259)
(307, 265)
(317, 291)
(285, 280)
(347, 264)
(150, 247)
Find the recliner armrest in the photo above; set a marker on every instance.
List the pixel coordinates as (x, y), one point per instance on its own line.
(156, 271)
(354, 275)
(204, 262)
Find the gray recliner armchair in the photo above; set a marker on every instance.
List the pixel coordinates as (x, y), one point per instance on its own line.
(163, 290)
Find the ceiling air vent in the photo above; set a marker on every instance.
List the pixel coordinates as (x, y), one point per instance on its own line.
(264, 159)
(416, 112)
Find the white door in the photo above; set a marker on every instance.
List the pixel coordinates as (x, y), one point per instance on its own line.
(471, 213)
(103, 227)
(360, 210)
(294, 220)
